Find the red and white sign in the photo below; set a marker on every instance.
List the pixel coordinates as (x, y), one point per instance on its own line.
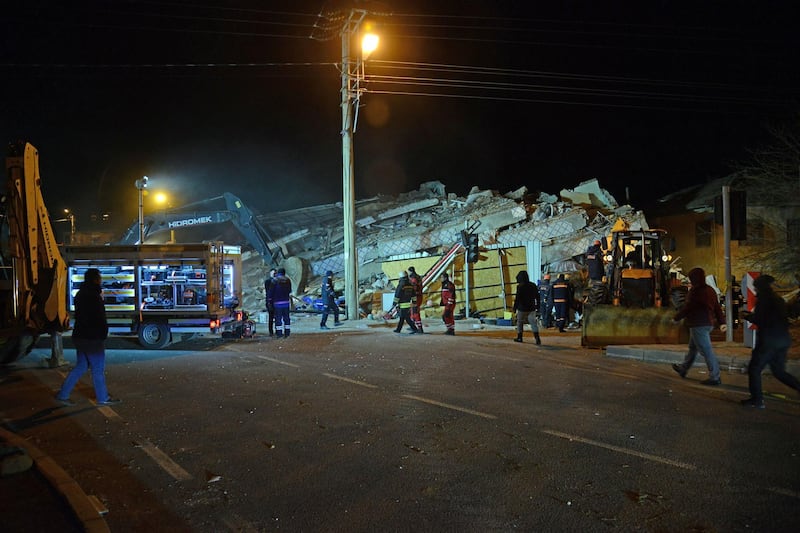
(750, 294)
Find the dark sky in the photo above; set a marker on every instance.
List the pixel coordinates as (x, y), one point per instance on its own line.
(243, 96)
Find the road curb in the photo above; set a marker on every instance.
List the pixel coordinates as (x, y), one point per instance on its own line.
(76, 498)
(656, 354)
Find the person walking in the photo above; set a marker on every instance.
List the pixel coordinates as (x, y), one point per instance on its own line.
(546, 302)
(89, 336)
(700, 310)
(526, 305)
(448, 303)
(270, 308)
(772, 340)
(416, 303)
(402, 299)
(562, 297)
(329, 302)
(280, 296)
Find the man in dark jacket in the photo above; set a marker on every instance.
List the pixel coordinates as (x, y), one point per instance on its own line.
(526, 305)
(772, 340)
(88, 336)
(270, 308)
(280, 296)
(403, 296)
(329, 302)
(562, 300)
(546, 301)
(701, 308)
(594, 261)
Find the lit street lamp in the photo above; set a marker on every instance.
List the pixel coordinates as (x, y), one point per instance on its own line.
(69, 217)
(352, 75)
(141, 185)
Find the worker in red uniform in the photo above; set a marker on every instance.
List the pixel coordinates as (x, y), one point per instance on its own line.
(416, 302)
(449, 304)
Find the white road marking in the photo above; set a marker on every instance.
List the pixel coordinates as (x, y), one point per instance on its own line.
(163, 460)
(449, 406)
(348, 380)
(613, 448)
(784, 492)
(492, 356)
(278, 361)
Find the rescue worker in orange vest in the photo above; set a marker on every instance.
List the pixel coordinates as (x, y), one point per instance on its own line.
(449, 304)
(416, 303)
(562, 298)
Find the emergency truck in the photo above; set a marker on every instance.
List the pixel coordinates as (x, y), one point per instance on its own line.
(158, 292)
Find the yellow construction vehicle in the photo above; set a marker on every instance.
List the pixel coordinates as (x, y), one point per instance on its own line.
(33, 274)
(638, 297)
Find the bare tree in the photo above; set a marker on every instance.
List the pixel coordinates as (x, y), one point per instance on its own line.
(772, 180)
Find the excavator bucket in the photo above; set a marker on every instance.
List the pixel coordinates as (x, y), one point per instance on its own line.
(604, 325)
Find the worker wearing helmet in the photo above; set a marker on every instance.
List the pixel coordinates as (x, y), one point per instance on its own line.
(402, 299)
(448, 303)
(329, 301)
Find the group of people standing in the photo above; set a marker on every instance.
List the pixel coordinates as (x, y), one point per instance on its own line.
(533, 303)
(278, 290)
(408, 301)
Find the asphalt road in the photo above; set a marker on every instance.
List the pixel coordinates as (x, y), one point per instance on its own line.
(367, 430)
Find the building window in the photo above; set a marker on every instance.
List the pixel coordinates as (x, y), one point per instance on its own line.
(702, 234)
(793, 232)
(755, 233)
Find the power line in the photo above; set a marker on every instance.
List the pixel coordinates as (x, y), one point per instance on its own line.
(444, 67)
(550, 101)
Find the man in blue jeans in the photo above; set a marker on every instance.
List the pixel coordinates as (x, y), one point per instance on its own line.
(702, 307)
(89, 336)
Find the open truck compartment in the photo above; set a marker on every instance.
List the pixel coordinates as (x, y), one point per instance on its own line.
(157, 291)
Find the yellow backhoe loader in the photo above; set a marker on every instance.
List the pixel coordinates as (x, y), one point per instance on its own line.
(638, 297)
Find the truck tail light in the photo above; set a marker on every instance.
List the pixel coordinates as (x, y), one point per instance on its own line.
(213, 324)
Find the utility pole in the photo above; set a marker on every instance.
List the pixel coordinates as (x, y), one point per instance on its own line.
(726, 232)
(141, 185)
(352, 74)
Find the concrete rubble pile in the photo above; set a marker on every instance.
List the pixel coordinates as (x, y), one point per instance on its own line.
(429, 222)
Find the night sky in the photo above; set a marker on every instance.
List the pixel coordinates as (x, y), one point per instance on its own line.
(243, 96)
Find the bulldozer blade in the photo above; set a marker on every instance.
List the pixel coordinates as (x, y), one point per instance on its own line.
(604, 325)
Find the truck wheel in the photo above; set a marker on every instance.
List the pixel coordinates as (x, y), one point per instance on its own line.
(154, 336)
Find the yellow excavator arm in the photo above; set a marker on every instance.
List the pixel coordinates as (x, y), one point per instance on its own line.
(33, 298)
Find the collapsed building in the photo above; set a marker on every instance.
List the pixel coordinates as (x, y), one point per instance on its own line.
(518, 230)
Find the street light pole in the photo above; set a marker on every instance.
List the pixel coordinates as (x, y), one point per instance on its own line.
(141, 185)
(350, 95)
